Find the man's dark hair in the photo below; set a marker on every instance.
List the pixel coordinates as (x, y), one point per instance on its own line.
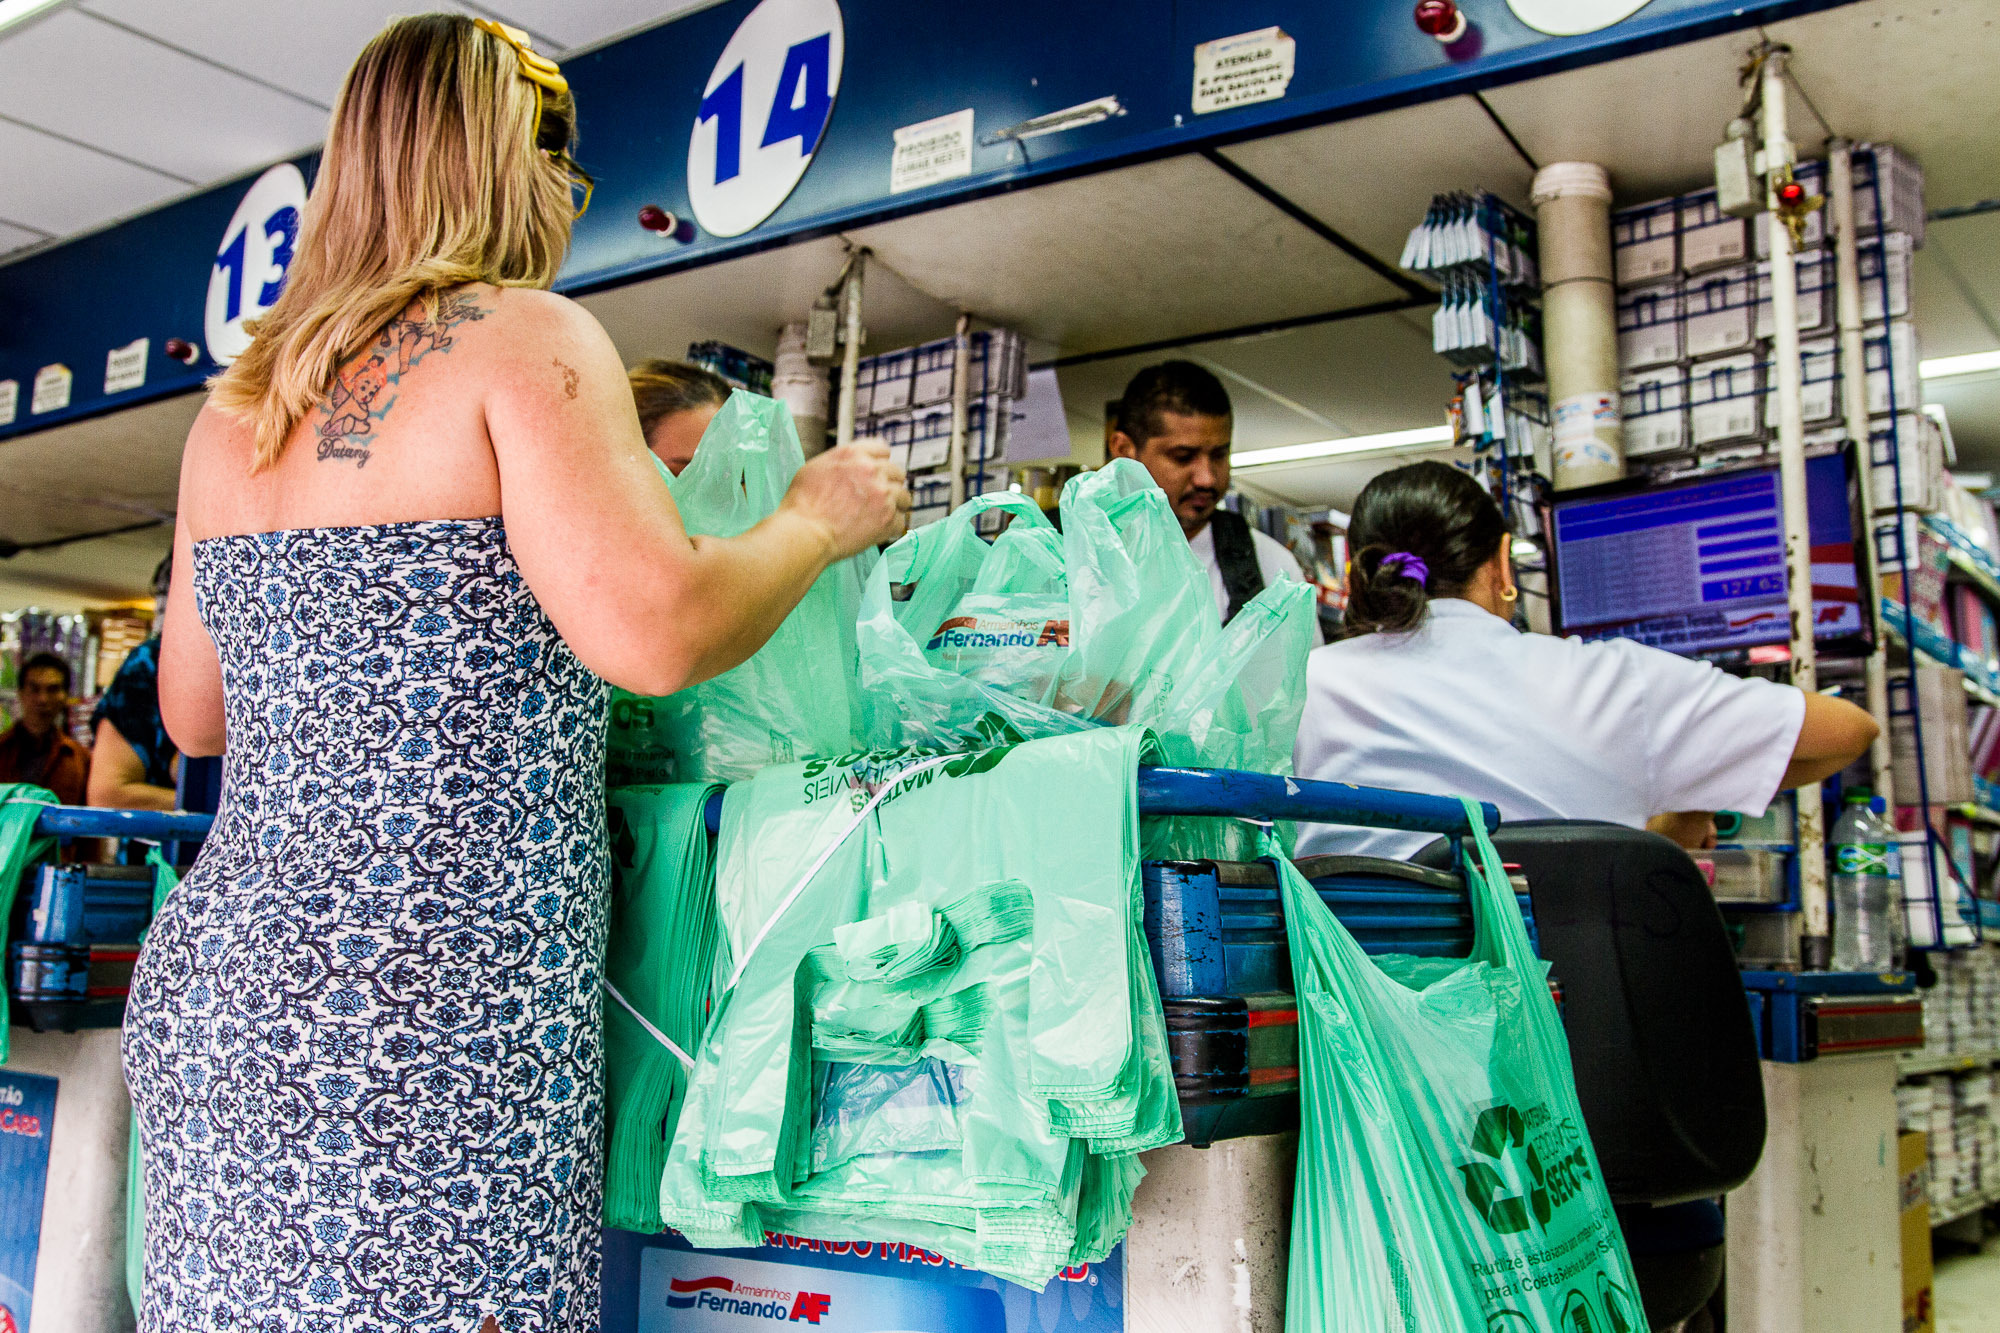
(1171, 386)
(662, 388)
(46, 662)
(163, 574)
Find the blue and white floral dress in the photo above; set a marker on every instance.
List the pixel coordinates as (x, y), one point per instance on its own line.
(364, 1040)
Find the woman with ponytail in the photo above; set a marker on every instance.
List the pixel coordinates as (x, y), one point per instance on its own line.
(1434, 690)
(418, 533)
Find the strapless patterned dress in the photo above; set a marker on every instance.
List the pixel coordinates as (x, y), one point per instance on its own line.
(364, 1039)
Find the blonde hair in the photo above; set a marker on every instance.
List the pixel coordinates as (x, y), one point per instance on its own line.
(442, 166)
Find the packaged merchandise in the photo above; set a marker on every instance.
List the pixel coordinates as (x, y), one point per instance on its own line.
(795, 698)
(937, 1040)
(1445, 1181)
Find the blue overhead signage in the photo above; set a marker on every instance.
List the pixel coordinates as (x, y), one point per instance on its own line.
(764, 121)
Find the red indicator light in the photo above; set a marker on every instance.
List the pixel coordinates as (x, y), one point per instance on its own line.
(1441, 19)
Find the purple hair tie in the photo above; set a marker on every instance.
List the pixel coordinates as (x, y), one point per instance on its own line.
(1409, 566)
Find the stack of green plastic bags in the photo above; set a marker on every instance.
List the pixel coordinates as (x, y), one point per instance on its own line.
(952, 1041)
(656, 966)
(948, 1033)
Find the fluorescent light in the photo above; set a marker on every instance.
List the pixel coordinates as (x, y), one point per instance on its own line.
(1944, 367)
(1353, 444)
(20, 11)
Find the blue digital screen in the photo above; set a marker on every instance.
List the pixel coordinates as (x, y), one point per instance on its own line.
(1699, 567)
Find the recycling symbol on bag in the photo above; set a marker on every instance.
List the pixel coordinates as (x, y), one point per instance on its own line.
(1511, 1186)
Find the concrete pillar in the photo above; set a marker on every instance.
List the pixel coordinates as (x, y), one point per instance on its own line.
(1815, 1244)
(80, 1276)
(1211, 1232)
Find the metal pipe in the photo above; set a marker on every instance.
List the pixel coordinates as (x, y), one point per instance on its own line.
(1854, 413)
(1816, 944)
(1579, 322)
(961, 396)
(850, 352)
(75, 821)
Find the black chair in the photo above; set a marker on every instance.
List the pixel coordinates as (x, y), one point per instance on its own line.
(1660, 1037)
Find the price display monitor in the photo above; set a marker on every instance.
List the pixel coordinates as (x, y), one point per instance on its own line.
(1697, 567)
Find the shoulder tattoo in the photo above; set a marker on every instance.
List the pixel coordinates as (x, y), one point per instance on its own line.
(364, 390)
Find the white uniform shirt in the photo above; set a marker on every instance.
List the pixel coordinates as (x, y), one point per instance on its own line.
(1544, 728)
(1274, 559)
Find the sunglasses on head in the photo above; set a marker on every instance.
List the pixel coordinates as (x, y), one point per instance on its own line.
(551, 134)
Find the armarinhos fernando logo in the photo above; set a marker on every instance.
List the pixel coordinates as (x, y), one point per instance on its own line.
(974, 632)
(722, 1295)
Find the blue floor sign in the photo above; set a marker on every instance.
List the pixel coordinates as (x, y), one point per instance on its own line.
(656, 1284)
(27, 1117)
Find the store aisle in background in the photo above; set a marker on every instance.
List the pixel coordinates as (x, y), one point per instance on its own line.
(1967, 1290)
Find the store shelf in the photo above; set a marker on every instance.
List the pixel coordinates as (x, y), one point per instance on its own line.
(1966, 556)
(1915, 1064)
(1965, 1205)
(1936, 646)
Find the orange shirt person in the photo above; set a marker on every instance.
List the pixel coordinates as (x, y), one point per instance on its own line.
(36, 749)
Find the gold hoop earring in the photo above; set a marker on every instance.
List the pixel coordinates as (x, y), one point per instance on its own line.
(1510, 594)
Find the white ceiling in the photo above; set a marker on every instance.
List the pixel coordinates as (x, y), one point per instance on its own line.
(109, 107)
(1175, 248)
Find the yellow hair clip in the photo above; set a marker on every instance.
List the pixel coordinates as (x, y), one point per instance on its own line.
(536, 68)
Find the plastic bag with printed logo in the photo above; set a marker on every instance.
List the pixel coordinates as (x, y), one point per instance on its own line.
(1038, 633)
(796, 698)
(1445, 1181)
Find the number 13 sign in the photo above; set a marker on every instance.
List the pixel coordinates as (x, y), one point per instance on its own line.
(256, 254)
(763, 112)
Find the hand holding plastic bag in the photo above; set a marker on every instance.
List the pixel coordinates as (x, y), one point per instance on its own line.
(1445, 1180)
(796, 698)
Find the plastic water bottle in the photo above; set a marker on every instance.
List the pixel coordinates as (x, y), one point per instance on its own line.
(1866, 887)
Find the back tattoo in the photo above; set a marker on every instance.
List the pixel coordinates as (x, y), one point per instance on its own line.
(363, 391)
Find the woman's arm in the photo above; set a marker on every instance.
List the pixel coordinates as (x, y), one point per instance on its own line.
(118, 775)
(190, 674)
(1834, 734)
(595, 532)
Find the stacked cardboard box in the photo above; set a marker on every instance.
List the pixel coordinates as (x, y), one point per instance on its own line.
(1696, 323)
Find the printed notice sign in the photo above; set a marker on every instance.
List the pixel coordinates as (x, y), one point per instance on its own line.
(125, 367)
(1235, 71)
(939, 149)
(10, 401)
(51, 389)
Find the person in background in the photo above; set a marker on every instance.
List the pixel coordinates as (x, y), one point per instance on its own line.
(1176, 419)
(676, 401)
(1435, 691)
(132, 763)
(37, 748)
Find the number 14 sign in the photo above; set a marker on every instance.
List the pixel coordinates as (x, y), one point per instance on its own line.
(256, 254)
(763, 112)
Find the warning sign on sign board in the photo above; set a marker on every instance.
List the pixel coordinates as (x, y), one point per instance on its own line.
(1235, 71)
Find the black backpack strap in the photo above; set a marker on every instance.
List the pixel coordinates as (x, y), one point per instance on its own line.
(1236, 556)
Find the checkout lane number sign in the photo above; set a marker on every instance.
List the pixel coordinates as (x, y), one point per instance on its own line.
(763, 112)
(254, 258)
(1567, 18)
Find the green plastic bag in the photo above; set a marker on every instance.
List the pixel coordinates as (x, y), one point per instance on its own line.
(20, 806)
(1445, 1180)
(796, 698)
(955, 1042)
(657, 962)
(1037, 633)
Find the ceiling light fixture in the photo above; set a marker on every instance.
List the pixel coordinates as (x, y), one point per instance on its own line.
(1945, 367)
(20, 11)
(1353, 444)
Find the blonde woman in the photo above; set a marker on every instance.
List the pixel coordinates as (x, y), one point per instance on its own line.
(418, 533)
